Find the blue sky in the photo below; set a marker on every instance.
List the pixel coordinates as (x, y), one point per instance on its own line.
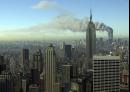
(17, 14)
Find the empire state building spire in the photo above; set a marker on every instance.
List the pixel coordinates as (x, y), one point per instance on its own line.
(91, 15)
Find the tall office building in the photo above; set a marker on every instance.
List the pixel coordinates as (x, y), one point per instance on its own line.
(50, 71)
(25, 60)
(106, 75)
(34, 88)
(37, 61)
(57, 87)
(1, 60)
(66, 77)
(110, 36)
(6, 84)
(90, 42)
(24, 85)
(67, 52)
(12, 66)
(2, 65)
(66, 73)
(35, 76)
(17, 83)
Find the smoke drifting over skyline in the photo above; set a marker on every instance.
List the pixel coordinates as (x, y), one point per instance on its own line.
(66, 22)
(61, 27)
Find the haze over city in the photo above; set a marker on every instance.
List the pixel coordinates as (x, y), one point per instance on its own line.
(60, 19)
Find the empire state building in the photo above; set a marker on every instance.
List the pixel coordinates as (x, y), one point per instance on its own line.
(90, 40)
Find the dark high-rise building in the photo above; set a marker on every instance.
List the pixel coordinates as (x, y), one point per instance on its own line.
(37, 67)
(25, 60)
(35, 76)
(90, 41)
(110, 36)
(2, 65)
(50, 69)
(1, 60)
(67, 52)
(6, 82)
(37, 61)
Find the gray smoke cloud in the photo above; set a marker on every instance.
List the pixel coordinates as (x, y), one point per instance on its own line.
(66, 22)
(71, 23)
(62, 27)
(102, 27)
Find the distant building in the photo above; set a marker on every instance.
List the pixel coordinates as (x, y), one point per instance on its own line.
(2, 64)
(67, 52)
(1, 60)
(57, 87)
(74, 71)
(125, 78)
(42, 83)
(25, 60)
(24, 85)
(110, 36)
(50, 71)
(66, 73)
(34, 88)
(2, 68)
(74, 87)
(106, 75)
(82, 83)
(17, 83)
(89, 81)
(37, 61)
(66, 77)
(35, 76)
(6, 84)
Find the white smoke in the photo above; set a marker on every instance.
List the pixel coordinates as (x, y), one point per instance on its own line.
(71, 23)
(63, 26)
(66, 22)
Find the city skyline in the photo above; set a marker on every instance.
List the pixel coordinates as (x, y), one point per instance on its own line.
(34, 19)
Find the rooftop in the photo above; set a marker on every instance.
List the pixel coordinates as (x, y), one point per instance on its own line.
(106, 57)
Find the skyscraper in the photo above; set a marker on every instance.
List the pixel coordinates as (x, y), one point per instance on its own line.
(1, 60)
(66, 73)
(6, 84)
(37, 60)
(66, 77)
(67, 52)
(110, 36)
(2, 65)
(50, 71)
(25, 60)
(90, 41)
(106, 75)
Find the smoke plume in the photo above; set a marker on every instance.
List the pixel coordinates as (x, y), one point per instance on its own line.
(63, 23)
(62, 27)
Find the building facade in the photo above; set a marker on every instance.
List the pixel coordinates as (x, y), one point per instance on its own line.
(50, 71)
(106, 75)
(6, 84)
(37, 60)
